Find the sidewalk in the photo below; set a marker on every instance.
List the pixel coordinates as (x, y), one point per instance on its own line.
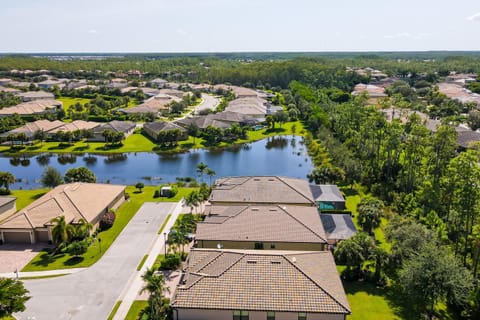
(134, 285)
(47, 273)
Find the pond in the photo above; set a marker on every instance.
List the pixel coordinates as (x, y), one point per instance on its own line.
(285, 156)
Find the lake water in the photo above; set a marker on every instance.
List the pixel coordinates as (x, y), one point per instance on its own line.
(285, 156)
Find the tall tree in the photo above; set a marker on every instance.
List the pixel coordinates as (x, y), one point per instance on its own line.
(81, 174)
(62, 231)
(370, 211)
(13, 296)
(6, 179)
(201, 169)
(51, 177)
(155, 285)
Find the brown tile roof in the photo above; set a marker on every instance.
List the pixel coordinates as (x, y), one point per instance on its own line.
(262, 223)
(262, 189)
(40, 125)
(74, 201)
(32, 107)
(261, 281)
(6, 200)
(76, 125)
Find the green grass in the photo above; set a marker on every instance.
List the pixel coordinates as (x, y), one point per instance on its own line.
(114, 310)
(135, 309)
(43, 277)
(142, 262)
(164, 223)
(7, 318)
(67, 102)
(25, 197)
(158, 261)
(368, 302)
(43, 261)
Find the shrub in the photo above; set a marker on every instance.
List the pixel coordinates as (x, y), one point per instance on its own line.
(156, 194)
(127, 196)
(170, 262)
(5, 192)
(174, 191)
(107, 220)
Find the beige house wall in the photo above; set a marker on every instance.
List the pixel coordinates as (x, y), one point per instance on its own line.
(200, 314)
(248, 245)
(7, 210)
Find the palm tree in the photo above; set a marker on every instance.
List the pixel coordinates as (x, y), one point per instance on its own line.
(192, 200)
(155, 285)
(6, 179)
(201, 168)
(370, 210)
(210, 172)
(82, 229)
(62, 231)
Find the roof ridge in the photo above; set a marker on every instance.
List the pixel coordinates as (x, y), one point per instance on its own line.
(73, 203)
(302, 223)
(295, 189)
(315, 282)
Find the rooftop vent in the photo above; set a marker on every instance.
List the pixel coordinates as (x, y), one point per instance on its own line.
(294, 260)
(251, 262)
(254, 209)
(275, 262)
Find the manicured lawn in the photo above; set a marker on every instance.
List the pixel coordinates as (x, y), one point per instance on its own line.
(25, 197)
(135, 309)
(114, 310)
(43, 261)
(368, 302)
(67, 102)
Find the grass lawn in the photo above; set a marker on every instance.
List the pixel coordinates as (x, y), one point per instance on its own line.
(43, 261)
(67, 102)
(114, 310)
(135, 309)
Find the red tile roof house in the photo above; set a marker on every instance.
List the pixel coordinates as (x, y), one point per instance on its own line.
(259, 285)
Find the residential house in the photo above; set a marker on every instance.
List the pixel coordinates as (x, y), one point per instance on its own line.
(255, 190)
(338, 227)
(5, 81)
(269, 227)
(468, 139)
(156, 104)
(374, 92)
(250, 106)
(9, 90)
(222, 120)
(158, 83)
(50, 84)
(35, 95)
(29, 129)
(125, 127)
(74, 201)
(259, 285)
(77, 125)
(328, 197)
(153, 129)
(458, 92)
(173, 93)
(32, 108)
(117, 83)
(8, 206)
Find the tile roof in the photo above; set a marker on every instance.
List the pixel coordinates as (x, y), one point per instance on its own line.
(32, 107)
(262, 223)
(338, 226)
(327, 193)
(222, 120)
(261, 281)
(248, 105)
(262, 189)
(115, 125)
(76, 125)
(74, 201)
(466, 139)
(40, 125)
(162, 126)
(36, 95)
(6, 200)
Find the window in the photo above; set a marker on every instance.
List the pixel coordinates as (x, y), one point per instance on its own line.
(258, 245)
(302, 316)
(272, 246)
(270, 315)
(240, 315)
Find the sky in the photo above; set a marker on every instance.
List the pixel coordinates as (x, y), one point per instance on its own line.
(236, 26)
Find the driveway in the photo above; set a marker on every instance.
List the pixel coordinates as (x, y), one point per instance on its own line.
(209, 103)
(16, 256)
(91, 294)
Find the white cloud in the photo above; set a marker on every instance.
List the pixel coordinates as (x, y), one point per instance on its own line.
(92, 31)
(405, 35)
(182, 32)
(475, 17)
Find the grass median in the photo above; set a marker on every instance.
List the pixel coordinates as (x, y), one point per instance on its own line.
(44, 261)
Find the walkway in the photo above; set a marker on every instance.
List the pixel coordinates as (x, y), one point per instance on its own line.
(208, 103)
(135, 283)
(92, 293)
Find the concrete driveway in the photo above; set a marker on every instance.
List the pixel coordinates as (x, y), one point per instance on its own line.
(209, 103)
(91, 294)
(16, 256)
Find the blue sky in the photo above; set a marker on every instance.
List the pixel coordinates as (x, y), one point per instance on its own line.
(247, 25)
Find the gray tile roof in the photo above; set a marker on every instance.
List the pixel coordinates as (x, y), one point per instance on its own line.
(115, 125)
(338, 226)
(327, 193)
(262, 189)
(261, 281)
(466, 139)
(162, 126)
(262, 223)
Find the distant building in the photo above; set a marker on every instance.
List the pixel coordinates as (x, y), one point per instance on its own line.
(125, 127)
(158, 83)
(338, 227)
(153, 129)
(32, 108)
(35, 95)
(117, 83)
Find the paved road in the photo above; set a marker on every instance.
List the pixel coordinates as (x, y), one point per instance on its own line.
(209, 103)
(91, 294)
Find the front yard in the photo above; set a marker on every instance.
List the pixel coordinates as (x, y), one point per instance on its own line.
(44, 261)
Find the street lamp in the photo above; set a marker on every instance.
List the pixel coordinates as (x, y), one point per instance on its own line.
(165, 244)
(100, 244)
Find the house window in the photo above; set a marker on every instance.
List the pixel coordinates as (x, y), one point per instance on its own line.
(272, 246)
(302, 316)
(240, 315)
(270, 315)
(258, 245)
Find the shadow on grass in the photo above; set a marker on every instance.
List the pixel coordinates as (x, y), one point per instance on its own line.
(45, 258)
(33, 148)
(109, 147)
(37, 196)
(349, 192)
(73, 261)
(391, 294)
(82, 148)
(274, 130)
